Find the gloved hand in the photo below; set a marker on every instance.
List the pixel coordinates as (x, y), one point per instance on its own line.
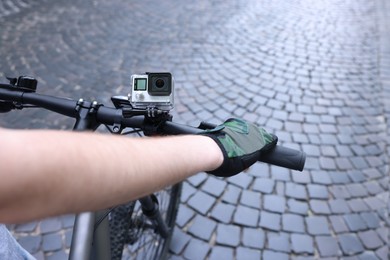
(242, 144)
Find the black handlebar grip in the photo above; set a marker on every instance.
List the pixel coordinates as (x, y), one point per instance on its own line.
(285, 157)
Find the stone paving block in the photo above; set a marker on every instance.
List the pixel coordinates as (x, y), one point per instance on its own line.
(187, 191)
(359, 162)
(304, 257)
(270, 221)
(281, 174)
(68, 238)
(374, 203)
(27, 227)
(301, 244)
(253, 237)
(274, 203)
(263, 185)
(321, 177)
(259, 170)
(280, 188)
(344, 151)
(383, 252)
(221, 252)
(311, 118)
(228, 235)
(327, 246)
(223, 212)
(293, 125)
(279, 242)
(313, 129)
(59, 255)
(184, 215)
(39, 256)
(338, 206)
(383, 234)
(338, 224)
(317, 191)
(372, 187)
(327, 163)
(350, 244)
(367, 255)
(67, 220)
(196, 249)
(276, 125)
(371, 219)
(300, 138)
(357, 190)
(31, 243)
(293, 223)
(317, 225)
(311, 149)
(319, 206)
(271, 255)
(375, 172)
(299, 207)
(231, 194)
(243, 253)
(383, 182)
(284, 136)
(339, 177)
(354, 222)
(296, 191)
(328, 150)
(214, 186)
(250, 199)
(202, 227)
(339, 192)
(358, 149)
(222, 114)
(179, 241)
(370, 239)
(279, 114)
(197, 179)
(357, 205)
(301, 177)
(246, 216)
(201, 202)
(50, 225)
(241, 180)
(51, 242)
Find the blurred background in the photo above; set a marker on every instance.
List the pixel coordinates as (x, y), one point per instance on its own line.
(315, 73)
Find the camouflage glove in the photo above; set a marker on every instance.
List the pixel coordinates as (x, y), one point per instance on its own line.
(241, 143)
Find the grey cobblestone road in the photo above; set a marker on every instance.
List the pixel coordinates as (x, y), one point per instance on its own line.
(314, 72)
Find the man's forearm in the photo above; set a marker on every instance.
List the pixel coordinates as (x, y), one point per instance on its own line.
(46, 173)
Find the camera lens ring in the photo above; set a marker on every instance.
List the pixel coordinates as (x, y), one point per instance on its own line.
(159, 83)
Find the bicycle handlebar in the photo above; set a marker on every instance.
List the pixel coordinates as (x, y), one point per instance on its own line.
(279, 156)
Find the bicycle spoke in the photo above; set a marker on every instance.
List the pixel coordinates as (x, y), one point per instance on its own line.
(143, 241)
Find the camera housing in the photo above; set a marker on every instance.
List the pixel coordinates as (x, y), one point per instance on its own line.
(152, 90)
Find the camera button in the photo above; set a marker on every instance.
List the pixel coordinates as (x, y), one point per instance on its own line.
(140, 97)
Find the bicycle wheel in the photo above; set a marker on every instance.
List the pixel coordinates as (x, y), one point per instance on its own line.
(133, 235)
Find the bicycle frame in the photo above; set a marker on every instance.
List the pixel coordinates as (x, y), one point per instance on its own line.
(85, 238)
(91, 232)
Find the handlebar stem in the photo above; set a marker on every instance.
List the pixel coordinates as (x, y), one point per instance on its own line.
(86, 115)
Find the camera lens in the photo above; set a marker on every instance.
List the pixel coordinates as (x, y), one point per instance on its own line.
(160, 83)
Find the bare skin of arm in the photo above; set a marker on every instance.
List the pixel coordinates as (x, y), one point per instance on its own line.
(45, 173)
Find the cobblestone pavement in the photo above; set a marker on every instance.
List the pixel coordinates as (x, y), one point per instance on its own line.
(314, 72)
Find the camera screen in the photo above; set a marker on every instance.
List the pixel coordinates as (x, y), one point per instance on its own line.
(140, 84)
